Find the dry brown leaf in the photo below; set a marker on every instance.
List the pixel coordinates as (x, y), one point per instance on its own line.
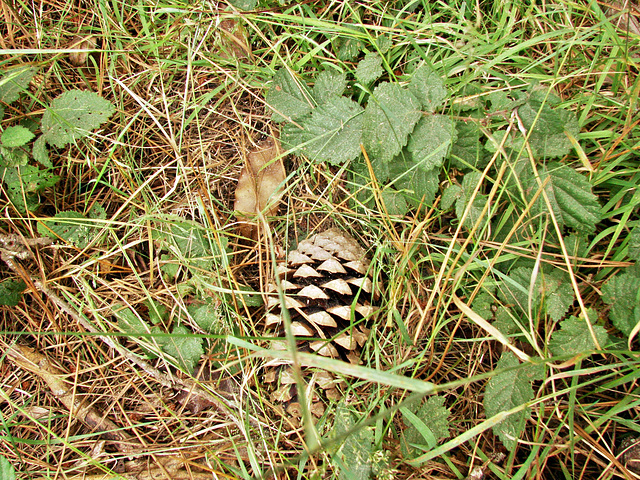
(259, 186)
(81, 43)
(233, 39)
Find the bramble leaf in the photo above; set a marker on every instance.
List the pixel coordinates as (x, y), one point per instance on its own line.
(431, 141)
(14, 82)
(16, 136)
(73, 115)
(129, 322)
(574, 336)
(394, 202)
(572, 202)
(289, 99)
(621, 292)
(329, 84)
(467, 150)
(244, 4)
(184, 347)
(353, 458)
(425, 426)
(428, 88)
(11, 292)
(332, 133)
(370, 68)
(347, 48)
(507, 390)
(206, 316)
(389, 118)
(418, 185)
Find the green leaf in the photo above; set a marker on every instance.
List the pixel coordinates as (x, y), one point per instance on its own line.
(73, 115)
(622, 292)
(450, 195)
(16, 136)
(431, 141)
(353, 458)
(14, 82)
(634, 244)
(347, 48)
(547, 126)
(289, 99)
(13, 157)
(129, 322)
(570, 197)
(72, 227)
(329, 84)
(469, 183)
(157, 311)
(418, 185)
(332, 133)
(370, 68)
(184, 347)
(394, 202)
(192, 243)
(24, 182)
(11, 292)
(207, 317)
(244, 4)
(389, 118)
(428, 88)
(467, 150)
(557, 292)
(574, 336)
(40, 152)
(7, 472)
(507, 390)
(425, 426)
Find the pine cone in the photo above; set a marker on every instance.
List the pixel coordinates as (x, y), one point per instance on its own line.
(329, 295)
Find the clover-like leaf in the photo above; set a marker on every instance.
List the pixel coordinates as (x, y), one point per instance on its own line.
(288, 98)
(390, 116)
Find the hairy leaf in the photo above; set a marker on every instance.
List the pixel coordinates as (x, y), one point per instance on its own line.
(260, 185)
(7, 472)
(288, 98)
(389, 118)
(15, 82)
(184, 347)
(507, 390)
(428, 88)
(347, 48)
(467, 150)
(244, 4)
(570, 197)
(72, 227)
(370, 68)
(431, 141)
(73, 115)
(11, 292)
(425, 425)
(40, 152)
(450, 195)
(469, 183)
(394, 202)
(622, 293)
(574, 336)
(207, 317)
(16, 136)
(24, 182)
(13, 157)
(418, 185)
(353, 458)
(634, 244)
(329, 83)
(332, 133)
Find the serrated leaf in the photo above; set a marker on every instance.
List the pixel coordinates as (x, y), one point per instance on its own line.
(507, 390)
(244, 4)
(40, 152)
(370, 68)
(74, 115)
(129, 322)
(390, 116)
(332, 133)
(16, 136)
(419, 186)
(347, 48)
(467, 150)
(7, 472)
(24, 182)
(574, 336)
(425, 426)
(450, 195)
(546, 126)
(558, 293)
(329, 84)
(431, 141)
(289, 99)
(505, 321)
(13, 157)
(206, 316)
(621, 292)
(500, 101)
(482, 304)
(15, 82)
(394, 202)
(184, 347)
(428, 88)
(11, 292)
(353, 458)
(572, 202)
(634, 244)
(157, 311)
(72, 227)
(474, 214)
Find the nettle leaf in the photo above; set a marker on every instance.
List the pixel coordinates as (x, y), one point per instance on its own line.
(13, 157)
(192, 244)
(394, 202)
(24, 182)
(332, 133)
(129, 322)
(72, 227)
(557, 292)
(389, 118)
(574, 336)
(353, 458)
(207, 317)
(184, 347)
(634, 244)
(14, 82)
(11, 292)
(347, 48)
(157, 311)
(329, 84)
(418, 185)
(428, 88)
(467, 150)
(426, 426)
(469, 183)
(73, 115)
(450, 195)
(621, 292)
(572, 202)
(289, 99)
(370, 68)
(431, 141)
(546, 126)
(40, 152)
(16, 136)
(507, 390)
